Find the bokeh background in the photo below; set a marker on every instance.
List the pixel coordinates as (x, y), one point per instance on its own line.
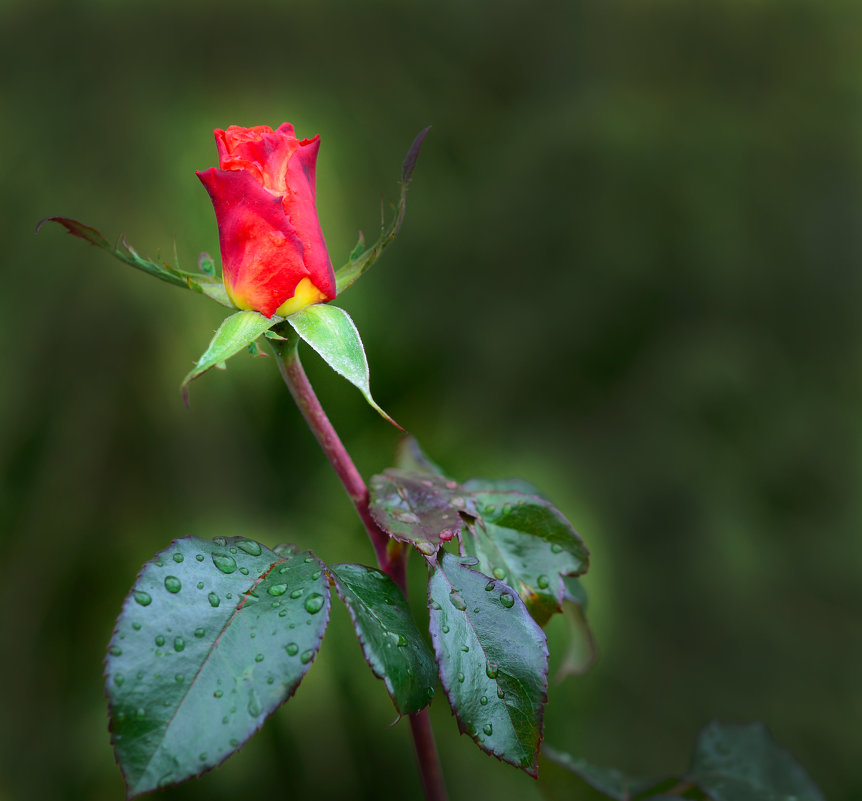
(630, 272)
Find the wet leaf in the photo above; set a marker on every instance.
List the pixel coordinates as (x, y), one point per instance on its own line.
(493, 660)
(393, 646)
(214, 635)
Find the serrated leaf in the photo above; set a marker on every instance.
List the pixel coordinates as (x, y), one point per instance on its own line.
(744, 763)
(235, 333)
(493, 660)
(525, 541)
(393, 646)
(361, 260)
(517, 536)
(330, 331)
(420, 508)
(214, 635)
(205, 285)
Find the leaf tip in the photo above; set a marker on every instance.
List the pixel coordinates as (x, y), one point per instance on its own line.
(413, 155)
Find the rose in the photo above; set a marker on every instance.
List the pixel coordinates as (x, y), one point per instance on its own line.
(274, 258)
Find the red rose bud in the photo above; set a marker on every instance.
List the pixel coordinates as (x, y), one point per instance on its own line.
(274, 258)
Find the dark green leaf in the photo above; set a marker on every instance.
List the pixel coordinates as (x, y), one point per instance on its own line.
(234, 334)
(392, 644)
(526, 542)
(213, 637)
(493, 661)
(331, 332)
(419, 508)
(361, 260)
(743, 763)
(580, 654)
(410, 456)
(610, 782)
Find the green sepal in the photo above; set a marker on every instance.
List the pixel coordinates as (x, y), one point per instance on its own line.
(213, 637)
(361, 258)
(390, 640)
(493, 660)
(330, 331)
(207, 285)
(236, 333)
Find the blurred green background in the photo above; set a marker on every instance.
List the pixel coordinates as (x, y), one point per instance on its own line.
(629, 272)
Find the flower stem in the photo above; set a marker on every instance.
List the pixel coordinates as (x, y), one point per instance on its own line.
(391, 556)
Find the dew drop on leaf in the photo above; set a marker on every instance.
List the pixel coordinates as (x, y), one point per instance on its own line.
(160, 640)
(119, 679)
(556, 548)
(179, 644)
(200, 585)
(173, 584)
(178, 557)
(292, 648)
(444, 629)
(179, 678)
(254, 706)
(491, 670)
(258, 658)
(200, 631)
(143, 598)
(214, 599)
(136, 626)
(488, 729)
(277, 589)
(315, 575)
(225, 563)
(314, 603)
(115, 650)
(218, 694)
(489, 586)
(543, 582)
(484, 700)
(244, 571)
(460, 677)
(249, 547)
(306, 656)
(434, 604)
(220, 541)
(200, 557)
(499, 573)
(507, 600)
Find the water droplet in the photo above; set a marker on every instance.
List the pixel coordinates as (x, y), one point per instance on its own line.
(434, 604)
(244, 571)
(136, 626)
(543, 582)
(404, 516)
(445, 629)
(500, 693)
(178, 557)
(228, 595)
(457, 601)
(282, 613)
(465, 649)
(179, 678)
(476, 610)
(277, 589)
(484, 700)
(119, 679)
(428, 548)
(460, 677)
(254, 706)
(202, 757)
(296, 593)
(306, 656)
(160, 563)
(489, 586)
(214, 599)
(218, 693)
(234, 742)
(308, 560)
(499, 573)
(225, 563)
(199, 557)
(160, 640)
(226, 719)
(173, 584)
(115, 650)
(488, 729)
(491, 670)
(292, 648)
(249, 547)
(314, 603)
(143, 598)
(200, 631)
(315, 575)
(179, 643)
(555, 548)
(270, 680)
(507, 600)
(200, 585)
(490, 509)
(220, 541)
(258, 658)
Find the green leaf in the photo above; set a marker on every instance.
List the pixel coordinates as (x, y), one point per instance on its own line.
(203, 284)
(361, 260)
(420, 508)
(330, 331)
(235, 333)
(410, 456)
(493, 660)
(517, 536)
(743, 763)
(214, 635)
(581, 653)
(392, 644)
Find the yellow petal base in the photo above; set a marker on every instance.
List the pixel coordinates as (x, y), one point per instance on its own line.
(306, 294)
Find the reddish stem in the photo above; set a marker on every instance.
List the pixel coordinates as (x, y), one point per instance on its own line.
(390, 555)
